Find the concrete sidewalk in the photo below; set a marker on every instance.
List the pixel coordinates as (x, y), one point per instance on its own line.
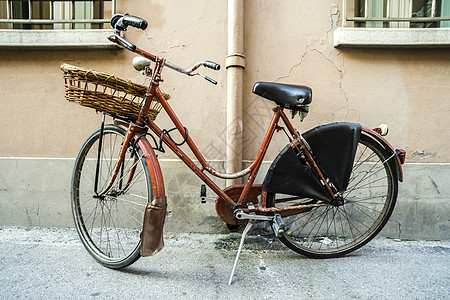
(52, 264)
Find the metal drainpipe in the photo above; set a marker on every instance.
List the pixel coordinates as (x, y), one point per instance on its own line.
(235, 64)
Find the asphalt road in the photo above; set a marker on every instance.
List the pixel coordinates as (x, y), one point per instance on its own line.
(52, 264)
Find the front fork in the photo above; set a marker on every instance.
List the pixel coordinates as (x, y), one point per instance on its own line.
(99, 153)
(120, 165)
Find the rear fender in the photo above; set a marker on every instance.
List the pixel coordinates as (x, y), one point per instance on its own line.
(388, 148)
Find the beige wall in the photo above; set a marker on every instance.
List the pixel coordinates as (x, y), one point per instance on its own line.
(42, 124)
(285, 41)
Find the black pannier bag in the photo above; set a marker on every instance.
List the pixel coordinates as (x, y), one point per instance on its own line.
(333, 147)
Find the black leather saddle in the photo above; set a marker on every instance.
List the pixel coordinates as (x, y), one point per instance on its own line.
(287, 95)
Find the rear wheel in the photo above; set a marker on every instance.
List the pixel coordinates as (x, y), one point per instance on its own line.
(332, 231)
(109, 226)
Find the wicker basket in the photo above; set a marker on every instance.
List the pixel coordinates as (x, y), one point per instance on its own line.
(107, 93)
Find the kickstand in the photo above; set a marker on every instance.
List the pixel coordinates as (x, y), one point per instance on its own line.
(246, 229)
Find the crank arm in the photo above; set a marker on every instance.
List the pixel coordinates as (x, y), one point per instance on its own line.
(241, 215)
(276, 221)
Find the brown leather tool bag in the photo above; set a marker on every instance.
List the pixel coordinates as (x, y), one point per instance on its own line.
(152, 232)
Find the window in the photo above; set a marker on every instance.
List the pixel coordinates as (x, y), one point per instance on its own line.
(395, 12)
(42, 22)
(394, 23)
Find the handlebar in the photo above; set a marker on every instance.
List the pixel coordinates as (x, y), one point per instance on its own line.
(211, 65)
(121, 22)
(115, 38)
(205, 63)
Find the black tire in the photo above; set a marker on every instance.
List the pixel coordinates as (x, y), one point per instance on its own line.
(109, 227)
(333, 231)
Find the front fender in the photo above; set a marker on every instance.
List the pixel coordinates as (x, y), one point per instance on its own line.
(387, 147)
(152, 240)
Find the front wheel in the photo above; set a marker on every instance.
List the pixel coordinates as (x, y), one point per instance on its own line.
(109, 225)
(332, 231)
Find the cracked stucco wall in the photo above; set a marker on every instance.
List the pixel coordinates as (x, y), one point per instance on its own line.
(408, 89)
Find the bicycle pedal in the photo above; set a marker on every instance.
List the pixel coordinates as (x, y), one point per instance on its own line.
(203, 198)
(278, 225)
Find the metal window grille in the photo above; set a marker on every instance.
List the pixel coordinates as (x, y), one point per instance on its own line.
(396, 13)
(55, 14)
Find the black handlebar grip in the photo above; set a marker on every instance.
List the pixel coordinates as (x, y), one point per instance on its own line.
(134, 21)
(115, 19)
(211, 65)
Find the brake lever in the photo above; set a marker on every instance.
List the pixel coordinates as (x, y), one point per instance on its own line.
(206, 77)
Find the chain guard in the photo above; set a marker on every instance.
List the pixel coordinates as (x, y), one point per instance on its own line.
(225, 210)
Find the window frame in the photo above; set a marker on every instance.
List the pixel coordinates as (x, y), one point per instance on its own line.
(68, 31)
(395, 31)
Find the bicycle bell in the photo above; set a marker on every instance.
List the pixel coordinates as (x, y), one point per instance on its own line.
(140, 63)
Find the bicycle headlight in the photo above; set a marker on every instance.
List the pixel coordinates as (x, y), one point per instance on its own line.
(140, 62)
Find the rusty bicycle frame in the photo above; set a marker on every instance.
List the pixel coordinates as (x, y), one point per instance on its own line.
(237, 204)
(139, 129)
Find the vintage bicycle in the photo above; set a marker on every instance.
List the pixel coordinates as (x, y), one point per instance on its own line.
(328, 192)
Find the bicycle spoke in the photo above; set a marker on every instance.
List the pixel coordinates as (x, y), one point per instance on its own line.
(315, 224)
(355, 219)
(310, 219)
(358, 206)
(138, 222)
(364, 177)
(358, 159)
(96, 212)
(116, 230)
(129, 201)
(364, 202)
(368, 184)
(342, 227)
(136, 180)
